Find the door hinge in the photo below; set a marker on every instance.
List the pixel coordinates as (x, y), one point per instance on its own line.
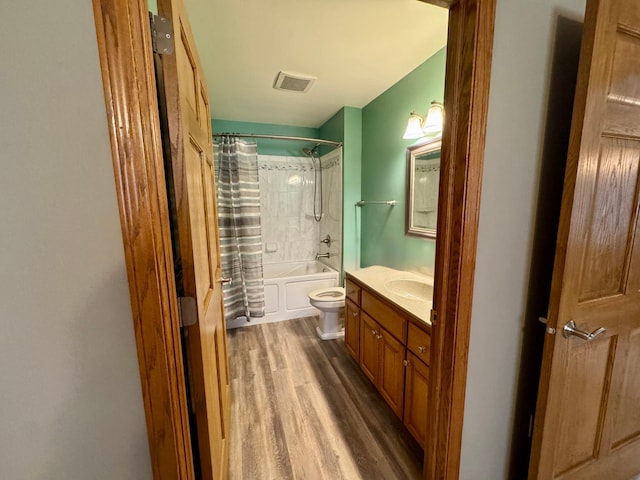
(187, 311)
(161, 34)
(433, 318)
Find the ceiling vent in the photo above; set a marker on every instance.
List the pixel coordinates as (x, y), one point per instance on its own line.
(294, 82)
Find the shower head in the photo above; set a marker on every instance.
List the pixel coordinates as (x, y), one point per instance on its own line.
(310, 152)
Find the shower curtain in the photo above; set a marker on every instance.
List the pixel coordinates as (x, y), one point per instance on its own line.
(238, 194)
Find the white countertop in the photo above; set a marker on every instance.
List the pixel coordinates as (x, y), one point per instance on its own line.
(378, 278)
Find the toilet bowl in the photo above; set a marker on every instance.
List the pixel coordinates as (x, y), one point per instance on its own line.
(329, 301)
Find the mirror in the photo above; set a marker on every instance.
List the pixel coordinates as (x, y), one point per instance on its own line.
(423, 178)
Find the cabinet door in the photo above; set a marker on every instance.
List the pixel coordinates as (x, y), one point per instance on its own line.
(369, 346)
(352, 329)
(415, 398)
(391, 380)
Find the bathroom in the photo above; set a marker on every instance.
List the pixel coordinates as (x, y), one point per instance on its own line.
(369, 165)
(359, 217)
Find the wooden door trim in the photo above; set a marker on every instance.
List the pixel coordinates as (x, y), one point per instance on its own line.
(126, 62)
(468, 71)
(130, 96)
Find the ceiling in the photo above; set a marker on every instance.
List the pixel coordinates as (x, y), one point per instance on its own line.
(356, 48)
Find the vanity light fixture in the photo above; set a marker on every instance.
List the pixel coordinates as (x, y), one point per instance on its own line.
(430, 126)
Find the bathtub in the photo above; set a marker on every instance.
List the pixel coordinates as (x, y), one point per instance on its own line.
(286, 290)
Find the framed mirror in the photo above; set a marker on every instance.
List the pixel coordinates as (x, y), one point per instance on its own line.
(423, 179)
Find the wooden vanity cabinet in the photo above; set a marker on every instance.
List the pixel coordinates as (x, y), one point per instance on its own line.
(352, 291)
(352, 329)
(391, 379)
(392, 349)
(369, 347)
(416, 392)
(381, 359)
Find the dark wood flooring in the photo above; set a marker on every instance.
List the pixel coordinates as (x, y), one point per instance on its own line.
(303, 409)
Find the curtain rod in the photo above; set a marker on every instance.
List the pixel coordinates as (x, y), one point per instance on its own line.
(279, 137)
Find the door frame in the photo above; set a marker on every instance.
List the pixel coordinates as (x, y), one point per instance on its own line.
(126, 61)
(466, 98)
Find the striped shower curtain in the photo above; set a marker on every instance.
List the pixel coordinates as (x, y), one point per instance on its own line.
(238, 192)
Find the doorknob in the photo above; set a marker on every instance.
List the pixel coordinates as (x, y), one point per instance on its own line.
(570, 329)
(224, 280)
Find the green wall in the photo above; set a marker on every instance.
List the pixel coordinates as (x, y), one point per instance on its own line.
(346, 126)
(269, 146)
(383, 241)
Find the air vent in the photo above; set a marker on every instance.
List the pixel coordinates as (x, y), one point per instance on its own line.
(294, 82)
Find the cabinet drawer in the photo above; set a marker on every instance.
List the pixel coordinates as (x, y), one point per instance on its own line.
(354, 309)
(387, 317)
(419, 342)
(353, 292)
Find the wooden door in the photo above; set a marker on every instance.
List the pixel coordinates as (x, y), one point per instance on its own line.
(588, 414)
(369, 331)
(415, 398)
(191, 168)
(391, 373)
(352, 329)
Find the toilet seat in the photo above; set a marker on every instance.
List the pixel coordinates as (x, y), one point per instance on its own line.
(331, 294)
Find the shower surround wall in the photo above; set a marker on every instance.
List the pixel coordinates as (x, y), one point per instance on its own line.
(289, 230)
(331, 223)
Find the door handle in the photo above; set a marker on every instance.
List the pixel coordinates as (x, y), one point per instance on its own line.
(570, 329)
(224, 280)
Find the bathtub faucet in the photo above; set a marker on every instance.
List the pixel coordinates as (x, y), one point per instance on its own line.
(322, 255)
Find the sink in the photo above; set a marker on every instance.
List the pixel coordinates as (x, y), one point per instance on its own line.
(411, 289)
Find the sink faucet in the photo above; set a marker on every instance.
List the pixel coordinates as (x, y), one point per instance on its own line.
(322, 255)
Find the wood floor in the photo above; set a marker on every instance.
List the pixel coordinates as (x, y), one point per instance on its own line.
(302, 409)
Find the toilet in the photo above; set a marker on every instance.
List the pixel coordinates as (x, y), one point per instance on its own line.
(329, 301)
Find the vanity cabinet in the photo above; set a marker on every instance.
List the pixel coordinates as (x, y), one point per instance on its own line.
(392, 349)
(352, 329)
(381, 360)
(416, 392)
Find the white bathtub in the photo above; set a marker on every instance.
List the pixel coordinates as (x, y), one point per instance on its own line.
(286, 290)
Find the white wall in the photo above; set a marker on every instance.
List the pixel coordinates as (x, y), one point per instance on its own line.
(289, 232)
(70, 397)
(522, 56)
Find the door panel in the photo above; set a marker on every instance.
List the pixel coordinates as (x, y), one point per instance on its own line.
(369, 346)
(582, 423)
(391, 381)
(189, 128)
(611, 225)
(352, 329)
(587, 421)
(415, 398)
(627, 422)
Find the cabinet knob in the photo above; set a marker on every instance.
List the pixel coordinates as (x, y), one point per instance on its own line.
(355, 314)
(374, 332)
(422, 349)
(406, 363)
(378, 337)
